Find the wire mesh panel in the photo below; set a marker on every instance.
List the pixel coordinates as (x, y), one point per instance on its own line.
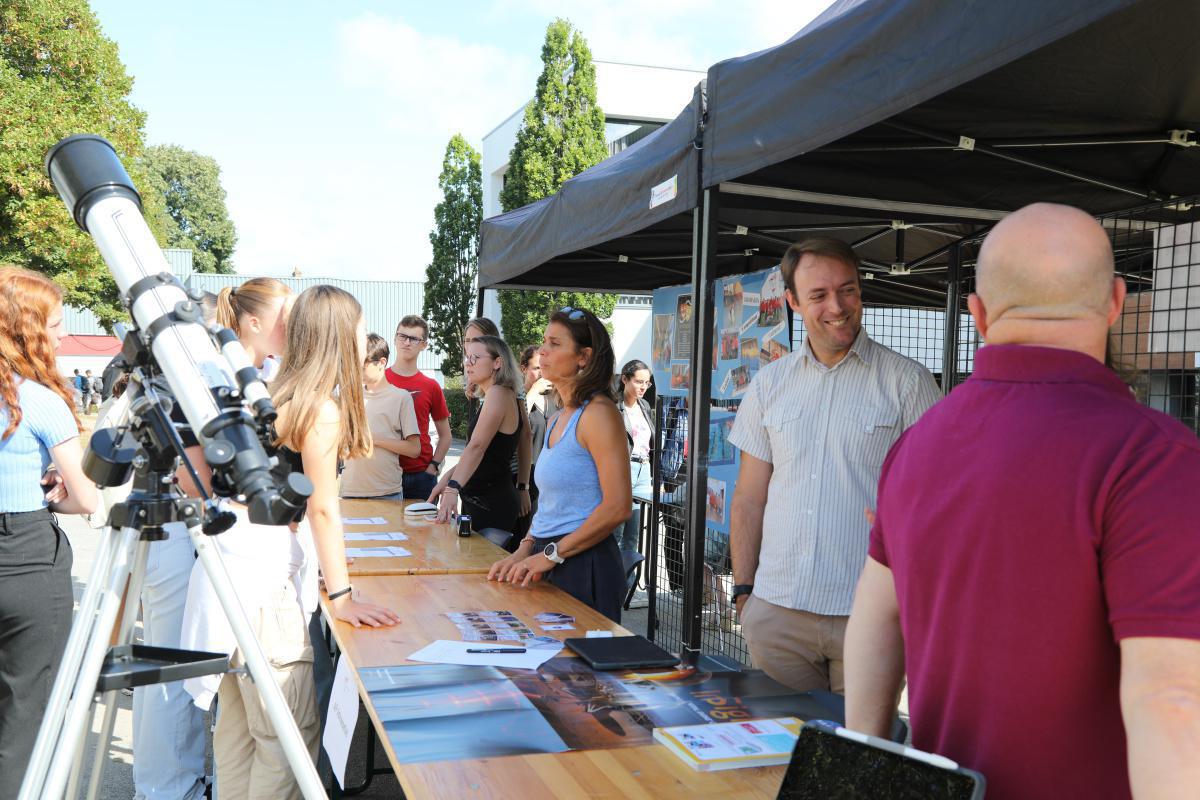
(668, 529)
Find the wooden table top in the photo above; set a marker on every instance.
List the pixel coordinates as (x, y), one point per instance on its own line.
(650, 772)
(436, 549)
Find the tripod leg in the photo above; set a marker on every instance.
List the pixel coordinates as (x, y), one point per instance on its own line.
(280, 715)
(112, 544)
(73, 727)
(124, 635)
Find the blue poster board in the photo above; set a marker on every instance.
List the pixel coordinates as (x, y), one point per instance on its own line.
(750, 331)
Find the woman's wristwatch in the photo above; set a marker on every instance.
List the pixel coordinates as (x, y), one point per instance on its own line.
(522, 487)
(551, 552)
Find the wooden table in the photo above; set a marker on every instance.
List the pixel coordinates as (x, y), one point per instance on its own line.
(436, 549)
(649, 772)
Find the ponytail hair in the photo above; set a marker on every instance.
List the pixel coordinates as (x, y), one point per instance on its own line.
(253, 298)
(27, 299)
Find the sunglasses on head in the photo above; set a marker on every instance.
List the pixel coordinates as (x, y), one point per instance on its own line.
(572, 313)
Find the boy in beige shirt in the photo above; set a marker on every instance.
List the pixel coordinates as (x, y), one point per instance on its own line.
(393, 422)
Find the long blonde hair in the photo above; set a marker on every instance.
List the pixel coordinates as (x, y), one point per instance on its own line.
(321, 362)
(27, 299)
(253, 298)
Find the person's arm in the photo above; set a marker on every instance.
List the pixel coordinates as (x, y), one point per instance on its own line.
(195, 455)
(491, 417)
(920, 397)
(746, 520)
(874, 656)
(76, 494)
(602, 433)
(524, 460)
(410, 447)
(445, 439)
(1160, 704)
(319, 454)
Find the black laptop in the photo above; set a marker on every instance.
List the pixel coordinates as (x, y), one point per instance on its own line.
(621, 652)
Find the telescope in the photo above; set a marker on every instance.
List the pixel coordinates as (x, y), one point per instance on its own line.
(213, 387)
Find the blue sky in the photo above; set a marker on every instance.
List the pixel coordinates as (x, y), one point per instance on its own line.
(329, 119)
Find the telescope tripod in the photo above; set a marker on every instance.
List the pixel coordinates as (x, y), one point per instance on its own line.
(91, 673)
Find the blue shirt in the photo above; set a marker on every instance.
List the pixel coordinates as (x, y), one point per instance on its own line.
(46, 422)
(568, 483)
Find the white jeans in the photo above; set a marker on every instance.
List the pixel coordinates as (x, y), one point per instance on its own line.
(168, 729)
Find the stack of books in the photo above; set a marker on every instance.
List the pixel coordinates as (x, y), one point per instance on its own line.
(731, 745)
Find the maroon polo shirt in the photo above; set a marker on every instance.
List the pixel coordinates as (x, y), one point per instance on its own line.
(1033, 519)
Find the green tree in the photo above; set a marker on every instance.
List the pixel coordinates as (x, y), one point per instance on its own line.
(561, 135)
(190, 185)
(450, 277)
(60, 75)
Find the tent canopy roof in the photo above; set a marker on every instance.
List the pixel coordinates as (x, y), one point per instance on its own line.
(939, 116)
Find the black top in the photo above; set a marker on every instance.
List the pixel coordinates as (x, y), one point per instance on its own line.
(495, 466)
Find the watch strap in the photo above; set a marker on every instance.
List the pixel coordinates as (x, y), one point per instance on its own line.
(741, 589)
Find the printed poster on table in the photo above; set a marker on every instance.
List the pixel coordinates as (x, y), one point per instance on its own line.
(442, 712)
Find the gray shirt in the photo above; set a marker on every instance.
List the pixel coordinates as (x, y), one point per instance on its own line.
(825, 431)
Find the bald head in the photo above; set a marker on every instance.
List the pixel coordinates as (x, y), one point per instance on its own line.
(1045, 261)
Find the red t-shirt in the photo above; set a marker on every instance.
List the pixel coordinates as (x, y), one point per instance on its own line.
(1032, 519)
(429, 402)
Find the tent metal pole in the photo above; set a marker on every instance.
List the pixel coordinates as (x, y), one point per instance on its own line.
(982, 149)
(699, 399)
(950, 337)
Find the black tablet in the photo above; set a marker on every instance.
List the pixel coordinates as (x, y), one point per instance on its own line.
(621, 652)
(832, 763)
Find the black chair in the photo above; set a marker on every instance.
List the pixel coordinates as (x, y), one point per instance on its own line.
(632, 561)
(497, 537)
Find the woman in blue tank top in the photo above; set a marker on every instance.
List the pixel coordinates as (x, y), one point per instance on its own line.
(583, 472)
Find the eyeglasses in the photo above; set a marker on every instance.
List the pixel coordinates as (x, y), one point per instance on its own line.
(572, 313)
(406, 339)
(470, 360)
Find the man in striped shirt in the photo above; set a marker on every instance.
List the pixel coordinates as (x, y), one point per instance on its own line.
(813, 429)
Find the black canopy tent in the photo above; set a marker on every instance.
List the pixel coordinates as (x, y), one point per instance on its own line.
(906, 128)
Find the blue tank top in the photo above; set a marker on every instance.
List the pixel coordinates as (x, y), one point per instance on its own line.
(568, 483)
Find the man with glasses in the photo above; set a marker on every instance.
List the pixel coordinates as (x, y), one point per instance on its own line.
(420, 471)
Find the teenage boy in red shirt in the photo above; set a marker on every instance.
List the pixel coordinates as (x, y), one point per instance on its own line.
(420, 471)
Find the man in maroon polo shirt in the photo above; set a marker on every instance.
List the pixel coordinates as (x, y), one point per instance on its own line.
(1035, 561)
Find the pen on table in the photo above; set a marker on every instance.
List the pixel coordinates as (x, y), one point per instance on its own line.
(497, 650)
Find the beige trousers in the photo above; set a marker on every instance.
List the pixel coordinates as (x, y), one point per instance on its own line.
(797, 648)
(249, 759)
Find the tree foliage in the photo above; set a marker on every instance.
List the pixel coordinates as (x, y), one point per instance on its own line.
(190, 185)
(450, 276)
(561, 135)
(60, 75)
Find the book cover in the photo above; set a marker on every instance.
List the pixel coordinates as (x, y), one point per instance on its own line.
(731, 745)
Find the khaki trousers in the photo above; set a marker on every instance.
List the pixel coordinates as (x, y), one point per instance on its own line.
(797, 648)
(249, 759)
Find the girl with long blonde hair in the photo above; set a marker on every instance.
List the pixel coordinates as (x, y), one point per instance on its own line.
(322, 419)
(257, 311)
(40, 473)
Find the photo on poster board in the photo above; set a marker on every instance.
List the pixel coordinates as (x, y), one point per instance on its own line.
(683, 327)
(729, 344)
(664, 333)
(714, 506)
(740, 377)
(720, 450)
(749, 350)
(771, 311)
(681, 376)
(731, 297)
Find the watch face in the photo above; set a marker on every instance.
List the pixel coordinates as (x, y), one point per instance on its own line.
(550, 551)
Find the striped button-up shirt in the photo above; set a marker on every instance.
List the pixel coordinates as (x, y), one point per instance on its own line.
(825, 431)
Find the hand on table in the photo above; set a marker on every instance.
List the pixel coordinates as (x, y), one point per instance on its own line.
(530, 570)
(354, 609)
(447, 505)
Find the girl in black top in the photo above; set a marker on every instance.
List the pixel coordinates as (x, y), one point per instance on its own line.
(483, 475)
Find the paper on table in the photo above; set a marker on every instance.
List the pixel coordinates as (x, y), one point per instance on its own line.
(382, 536)
(364, 521)
(343, 716)
(377, 552)
(445, 651)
